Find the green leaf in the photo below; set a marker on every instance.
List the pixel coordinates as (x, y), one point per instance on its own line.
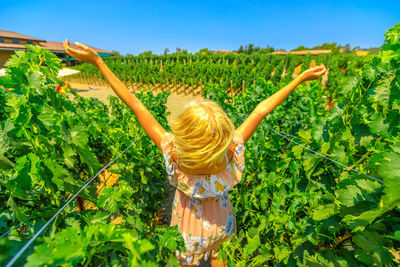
(325, 147)
(324, 212)
(390, 172)
(335, 112)
(47, 116)
(382, 90)
(169, 240)
(89, 158)
(369, 186)
(79, 135)
(297, 151)
(350, 195)
(378, 125)
(68, 155)
(350, 83)
(21, 180)
(109, 199)
(253, 244)
(339, 154)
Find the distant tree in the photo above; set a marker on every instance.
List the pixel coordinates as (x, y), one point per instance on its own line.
(184, 51)
(300, 48)
(146, 53)
(250, 49)
(374, 50)
(166, 51)
(346, 48)
(205, 51)
(178, 50)
(266, 50)
(334, 47)
(129, 55)
(356, 48)
(115, 53)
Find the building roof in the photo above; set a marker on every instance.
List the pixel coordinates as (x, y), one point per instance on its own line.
(10, 46)
(223, 52)
(14, 35)
(55, 47)
(279, 53)
(303, 52)
(362, 53)
(313, 52)
(58, 47)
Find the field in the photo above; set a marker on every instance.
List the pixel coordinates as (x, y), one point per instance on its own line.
(322, 178)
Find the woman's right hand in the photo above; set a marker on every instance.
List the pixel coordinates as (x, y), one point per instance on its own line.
(87, 54)
(313, 73)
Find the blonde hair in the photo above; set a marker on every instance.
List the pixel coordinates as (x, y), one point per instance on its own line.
(203, 133)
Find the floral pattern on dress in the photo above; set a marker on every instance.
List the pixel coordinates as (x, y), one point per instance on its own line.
(206, 225)
(195, 207)
(201, 189)
(218, 186)
(239, 149)
(174, 204)
(201, 208)
(169, 166)
(223, 199)
(230, 225)
(194, 243)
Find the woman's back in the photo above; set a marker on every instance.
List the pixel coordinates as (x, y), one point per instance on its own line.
(202, 208)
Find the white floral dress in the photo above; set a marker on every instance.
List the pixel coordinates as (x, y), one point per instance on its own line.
(202, 208)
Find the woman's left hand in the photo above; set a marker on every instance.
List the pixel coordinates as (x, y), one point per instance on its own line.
(87, 54)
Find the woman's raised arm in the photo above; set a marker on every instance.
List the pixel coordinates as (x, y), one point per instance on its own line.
(265, 107)
(151, 126)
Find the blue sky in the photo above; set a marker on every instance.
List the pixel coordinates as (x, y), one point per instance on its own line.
(137, 26)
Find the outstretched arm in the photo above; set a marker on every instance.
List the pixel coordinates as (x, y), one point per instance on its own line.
(265, 107)
(151, 126)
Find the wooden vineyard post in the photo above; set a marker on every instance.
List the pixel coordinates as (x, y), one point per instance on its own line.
(201, 87)
(135, 84)
(90, 79)
(127, 78)
(232, 95)
(243, 85)
(192, 83)
(154, 84)
(103, 81)
(285, 68)
(85, 80)
(175, 85)
(130, 82)
(97, 79)
(93, 79)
